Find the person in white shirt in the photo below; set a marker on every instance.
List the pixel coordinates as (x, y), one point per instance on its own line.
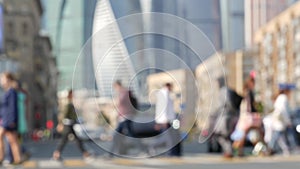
(164, 112)
(281, 119)
(164, 117)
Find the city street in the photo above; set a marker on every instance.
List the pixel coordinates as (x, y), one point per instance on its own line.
(138, 84)
(189, 162)
(195, 157)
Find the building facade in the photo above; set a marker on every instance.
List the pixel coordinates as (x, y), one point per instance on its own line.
(278, 58)
(30, 53)
(46, 79)
(260, 12)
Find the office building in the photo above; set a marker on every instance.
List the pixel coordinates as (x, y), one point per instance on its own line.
(278, 59)
(64, 21)
(260, 12)
(28, 54)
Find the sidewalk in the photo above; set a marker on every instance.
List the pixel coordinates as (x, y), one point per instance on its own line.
(156, 162)
(194, 154)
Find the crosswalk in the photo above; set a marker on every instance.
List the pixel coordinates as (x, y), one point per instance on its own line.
(152, 163)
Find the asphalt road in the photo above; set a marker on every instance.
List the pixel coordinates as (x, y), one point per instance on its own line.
(42, 150)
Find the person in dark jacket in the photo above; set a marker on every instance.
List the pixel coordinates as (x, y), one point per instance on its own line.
(22, 99)
(70, 119)
(225, 117)
(9, 117)
(246, 121)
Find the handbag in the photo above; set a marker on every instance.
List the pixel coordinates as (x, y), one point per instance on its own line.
(248, 119)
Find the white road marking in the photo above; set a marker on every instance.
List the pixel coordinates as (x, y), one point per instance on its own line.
(49, 164)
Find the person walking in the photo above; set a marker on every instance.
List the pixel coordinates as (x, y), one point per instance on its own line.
(248, 120)
(9, 118)
(226, 115)
(281, 119)
(22, 97)
(23, 102)
(164, 117)
(126, 113)
(69, 120)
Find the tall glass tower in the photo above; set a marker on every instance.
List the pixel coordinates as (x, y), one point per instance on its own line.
(115, 63)
(63, 19)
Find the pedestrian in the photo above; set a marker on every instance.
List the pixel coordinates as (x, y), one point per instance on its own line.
(22, 97)
(126, 113)
(164, 118)
(226, 115)
(9, 118)
(249, 119)
(281, 119)
(69, 120)
(23, 102)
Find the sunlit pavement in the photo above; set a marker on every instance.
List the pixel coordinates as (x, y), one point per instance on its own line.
(194, 158)
(195, 161)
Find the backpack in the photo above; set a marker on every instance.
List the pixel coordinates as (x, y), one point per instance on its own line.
(133, 100)
(235, 99)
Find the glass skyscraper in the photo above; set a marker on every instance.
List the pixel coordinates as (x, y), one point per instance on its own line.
(215, 18)
(70, 24)
(64, 21)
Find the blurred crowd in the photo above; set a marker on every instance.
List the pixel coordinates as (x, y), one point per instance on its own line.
(239, 122)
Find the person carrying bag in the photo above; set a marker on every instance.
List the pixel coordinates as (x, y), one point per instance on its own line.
(66, 128)
(249, 119)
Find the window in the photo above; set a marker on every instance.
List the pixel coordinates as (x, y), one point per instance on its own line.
(24, 28)
(282, 60)
(10, 28)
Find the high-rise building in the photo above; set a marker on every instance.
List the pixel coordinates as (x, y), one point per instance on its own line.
(87, 59)
(203, 14)
(111, 53)
(220, 22)
(64, 21)
(232, 21)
